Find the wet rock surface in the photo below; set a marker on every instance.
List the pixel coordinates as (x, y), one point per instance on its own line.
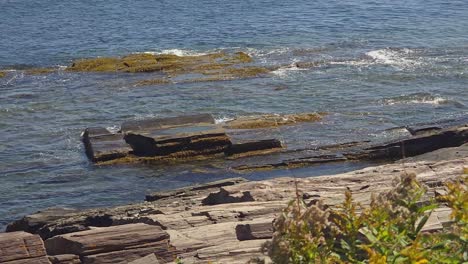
(258, 142)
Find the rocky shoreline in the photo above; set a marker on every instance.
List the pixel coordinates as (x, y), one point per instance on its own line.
(226, 221)
(222, 222)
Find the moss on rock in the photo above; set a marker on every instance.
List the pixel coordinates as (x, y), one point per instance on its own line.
(37, 71)
(144, 62)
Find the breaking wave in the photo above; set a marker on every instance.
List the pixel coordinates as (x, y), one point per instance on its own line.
(420, 98)
(399, 58)
(178, 52)
(286, 70)
(223, 119)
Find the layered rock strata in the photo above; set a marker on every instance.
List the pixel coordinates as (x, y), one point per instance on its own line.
(225, 221)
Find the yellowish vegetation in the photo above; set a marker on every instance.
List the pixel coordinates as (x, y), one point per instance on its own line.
(36, 71)
(265, 121)
(218, 66)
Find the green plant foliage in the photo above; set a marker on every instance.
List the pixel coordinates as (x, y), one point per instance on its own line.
(387, 231)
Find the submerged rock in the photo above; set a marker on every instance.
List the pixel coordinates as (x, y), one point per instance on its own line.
(209, 67)
(168, 122)
(2, 74)
(39, 71)
(265, 121)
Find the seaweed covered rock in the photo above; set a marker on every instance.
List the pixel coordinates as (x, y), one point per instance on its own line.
(168, 63)
(271, 120)
(218, 66)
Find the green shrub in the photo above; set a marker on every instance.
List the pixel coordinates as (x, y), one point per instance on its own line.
(386, 231)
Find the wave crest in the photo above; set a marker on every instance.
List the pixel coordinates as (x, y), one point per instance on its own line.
(420, 98)
(400, 58)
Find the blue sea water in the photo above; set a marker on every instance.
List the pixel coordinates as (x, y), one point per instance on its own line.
(380, 64)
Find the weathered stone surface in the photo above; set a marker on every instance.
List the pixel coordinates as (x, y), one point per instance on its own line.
(21, 247)
(200, 232)
(126, 256)
(32, 223)
(192, 190)
(224, 196)
(180, 142)
(107, 239)
(242, 148)
(288, 162)
(160, 123)
(149, 259)
(452, 137)
(254, 231)
(65, 259)
(101, 145)
(37, 260)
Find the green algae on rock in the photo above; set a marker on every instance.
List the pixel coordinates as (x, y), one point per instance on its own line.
(39, 71)
(271, 120)
(219, 66)
(168, 63)
(2, 74)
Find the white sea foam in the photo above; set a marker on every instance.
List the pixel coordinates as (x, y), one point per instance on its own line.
(352, 63)
(113, 129)
(223, 119)
(178, 52)
(417, 99)
(259, 53)
(285, 71)
(398, 58)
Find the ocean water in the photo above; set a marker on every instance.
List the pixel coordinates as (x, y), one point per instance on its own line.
(378, 64)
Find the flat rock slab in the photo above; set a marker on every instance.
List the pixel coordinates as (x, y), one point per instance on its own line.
(271, 120)
(161, 123)
(242, 148)
(38, 260)
(193, 190)
(451, 137)
(254, 231)
(102, 145)
(21, 247)
(99, 244)
(179, 142)
(149, 259)
(65, 259)
(32, 223)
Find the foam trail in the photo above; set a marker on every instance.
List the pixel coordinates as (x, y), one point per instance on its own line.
(177, 52)
(393, 57)
(223, 119)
